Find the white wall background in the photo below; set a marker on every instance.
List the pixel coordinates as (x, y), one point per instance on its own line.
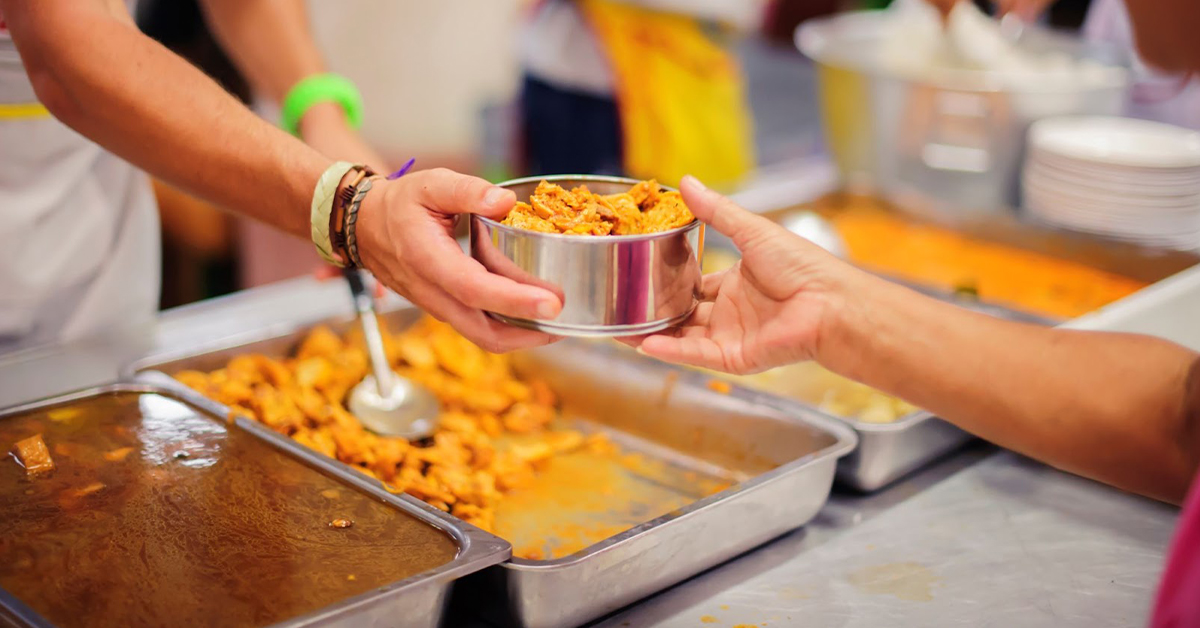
(425, 67)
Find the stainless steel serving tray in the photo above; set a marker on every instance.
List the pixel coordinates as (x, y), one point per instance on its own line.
(783, 454)
(418, 601)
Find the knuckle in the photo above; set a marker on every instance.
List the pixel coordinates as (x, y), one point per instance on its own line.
(464, 191)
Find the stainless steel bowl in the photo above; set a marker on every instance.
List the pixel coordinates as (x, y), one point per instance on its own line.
(956, 136)
(610, 285)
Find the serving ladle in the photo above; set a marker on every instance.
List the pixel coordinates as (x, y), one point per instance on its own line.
(385, 402)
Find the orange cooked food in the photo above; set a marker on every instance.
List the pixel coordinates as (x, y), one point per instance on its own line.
(493, 434)
(938, 257)
(645, 208)
(33, 455)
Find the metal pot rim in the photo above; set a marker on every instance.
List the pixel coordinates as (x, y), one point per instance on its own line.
(583, 178)
(812, 41)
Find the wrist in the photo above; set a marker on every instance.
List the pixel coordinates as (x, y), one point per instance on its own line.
(318, 90)
(323, 117)
(372, 223)
(852, 321)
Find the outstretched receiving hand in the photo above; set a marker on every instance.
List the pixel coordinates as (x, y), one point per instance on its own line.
(770, 309)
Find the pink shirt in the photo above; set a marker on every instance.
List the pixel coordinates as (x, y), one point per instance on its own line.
(1178, 603)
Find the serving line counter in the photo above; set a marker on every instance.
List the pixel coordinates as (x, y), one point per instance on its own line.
(984, 538)
(981, 538)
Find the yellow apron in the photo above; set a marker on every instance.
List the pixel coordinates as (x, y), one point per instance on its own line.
(681, 96)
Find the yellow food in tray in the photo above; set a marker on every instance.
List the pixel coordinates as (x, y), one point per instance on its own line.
(813, 384)
(836, 395)
(645, 208)
(500, 458)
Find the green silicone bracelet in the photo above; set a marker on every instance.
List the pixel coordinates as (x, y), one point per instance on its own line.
(316, 89)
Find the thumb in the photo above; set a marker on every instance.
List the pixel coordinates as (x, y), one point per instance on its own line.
(741, 226)
(450, 192)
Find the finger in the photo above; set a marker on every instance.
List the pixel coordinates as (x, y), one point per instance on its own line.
(710, 285)
(450, 192)
(694, 351)
(741, 226)
(489, 334)
(472, 285)
(695, 325)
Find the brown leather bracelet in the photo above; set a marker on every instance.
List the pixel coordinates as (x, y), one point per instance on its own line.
(337, 217)
(351, 219)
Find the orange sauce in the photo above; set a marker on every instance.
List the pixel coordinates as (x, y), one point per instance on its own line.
(940, 258)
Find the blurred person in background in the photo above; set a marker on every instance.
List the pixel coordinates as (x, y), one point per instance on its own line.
(208, 251)
(1170, 97)
(643, 88)
(1123, 409)
(86, 99)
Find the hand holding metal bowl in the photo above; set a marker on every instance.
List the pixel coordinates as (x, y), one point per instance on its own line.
(612, 285)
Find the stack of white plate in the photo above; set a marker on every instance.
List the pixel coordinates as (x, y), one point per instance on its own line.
(1121, 178)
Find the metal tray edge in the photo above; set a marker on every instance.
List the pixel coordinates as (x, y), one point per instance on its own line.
(478, 549)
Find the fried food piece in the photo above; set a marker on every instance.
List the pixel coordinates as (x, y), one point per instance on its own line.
(79, 493)
(624, 213)
(667, 212)
(34, 456)
(645, 208)
(470, 462)
(645, 194)
(522, 217)
(118, 454)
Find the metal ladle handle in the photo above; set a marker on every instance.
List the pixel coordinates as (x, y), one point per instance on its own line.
(364, 304)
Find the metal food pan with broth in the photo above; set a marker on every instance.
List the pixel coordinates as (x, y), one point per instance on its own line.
(777, 458)
(174, 515)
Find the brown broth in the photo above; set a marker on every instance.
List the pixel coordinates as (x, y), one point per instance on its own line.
(197, 525)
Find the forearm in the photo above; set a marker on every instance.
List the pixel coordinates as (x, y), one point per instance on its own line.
(272, 44)
(269, 40)
(127, 93)
(1114, 407)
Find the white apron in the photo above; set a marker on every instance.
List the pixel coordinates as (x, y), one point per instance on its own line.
(79, 237)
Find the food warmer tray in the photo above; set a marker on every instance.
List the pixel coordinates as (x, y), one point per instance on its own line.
(783, 456)
(417, 601)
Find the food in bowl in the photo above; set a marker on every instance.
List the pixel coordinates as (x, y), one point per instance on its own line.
(645, 208)
(640, 278)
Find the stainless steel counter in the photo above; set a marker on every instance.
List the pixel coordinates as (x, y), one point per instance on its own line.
(1001, 542)
(983, 538)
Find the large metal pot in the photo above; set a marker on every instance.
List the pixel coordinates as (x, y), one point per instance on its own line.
(957, 137)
